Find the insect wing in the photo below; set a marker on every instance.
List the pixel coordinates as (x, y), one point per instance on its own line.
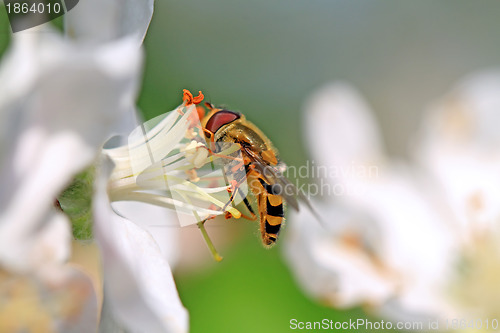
(281, 185)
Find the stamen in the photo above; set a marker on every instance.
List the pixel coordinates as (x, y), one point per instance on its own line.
(207, 239)
(188, 97)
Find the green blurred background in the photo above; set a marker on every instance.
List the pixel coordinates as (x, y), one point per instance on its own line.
(264, 58)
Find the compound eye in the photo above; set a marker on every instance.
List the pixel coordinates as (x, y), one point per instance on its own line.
(220, 119)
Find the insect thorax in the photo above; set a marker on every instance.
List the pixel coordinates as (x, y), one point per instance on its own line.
(245, 135)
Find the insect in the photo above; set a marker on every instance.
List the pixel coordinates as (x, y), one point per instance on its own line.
(260, 167)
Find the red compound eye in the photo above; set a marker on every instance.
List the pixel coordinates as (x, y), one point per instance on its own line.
(220, 119)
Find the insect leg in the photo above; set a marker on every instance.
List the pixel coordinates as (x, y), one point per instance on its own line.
(252, 216)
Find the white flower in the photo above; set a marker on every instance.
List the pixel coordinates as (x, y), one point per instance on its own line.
(395, 233)
(158, 162)
(60, 99)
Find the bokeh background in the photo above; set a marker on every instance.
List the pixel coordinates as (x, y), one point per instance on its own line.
(264, 58)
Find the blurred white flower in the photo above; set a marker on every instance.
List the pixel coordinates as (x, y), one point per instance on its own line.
(58, 104)
(60, 99)
(395, 236)
(459, 147)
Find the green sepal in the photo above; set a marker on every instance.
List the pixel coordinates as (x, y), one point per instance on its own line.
(76, 203)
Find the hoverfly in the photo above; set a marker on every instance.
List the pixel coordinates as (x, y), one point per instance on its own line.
(260, 168)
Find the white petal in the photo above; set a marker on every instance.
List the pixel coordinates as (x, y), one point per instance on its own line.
(459, 145)
(417, 241)
(97, 21)
(138, 280)
(330, 268)
(341, 131)
(58, 115)
(481, 92)
(398, 201)
(23, 249)
(468, 114)
(160, 222)
(68, 84)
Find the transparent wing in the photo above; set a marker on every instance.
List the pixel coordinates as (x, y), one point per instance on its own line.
(281, 185)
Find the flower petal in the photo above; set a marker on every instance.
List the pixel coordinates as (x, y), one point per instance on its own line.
(407, 219)
(160, 222)
(24, 249)
(58, 116)
(459, 145)
(97, 21)
(138, 280)
(341, 130)
(329, 267)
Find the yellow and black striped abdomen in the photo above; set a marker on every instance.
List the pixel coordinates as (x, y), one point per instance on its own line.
(271, 210)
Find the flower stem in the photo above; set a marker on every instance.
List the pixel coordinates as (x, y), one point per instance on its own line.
(210, 245)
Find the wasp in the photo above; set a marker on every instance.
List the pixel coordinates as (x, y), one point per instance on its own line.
(259, 166)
